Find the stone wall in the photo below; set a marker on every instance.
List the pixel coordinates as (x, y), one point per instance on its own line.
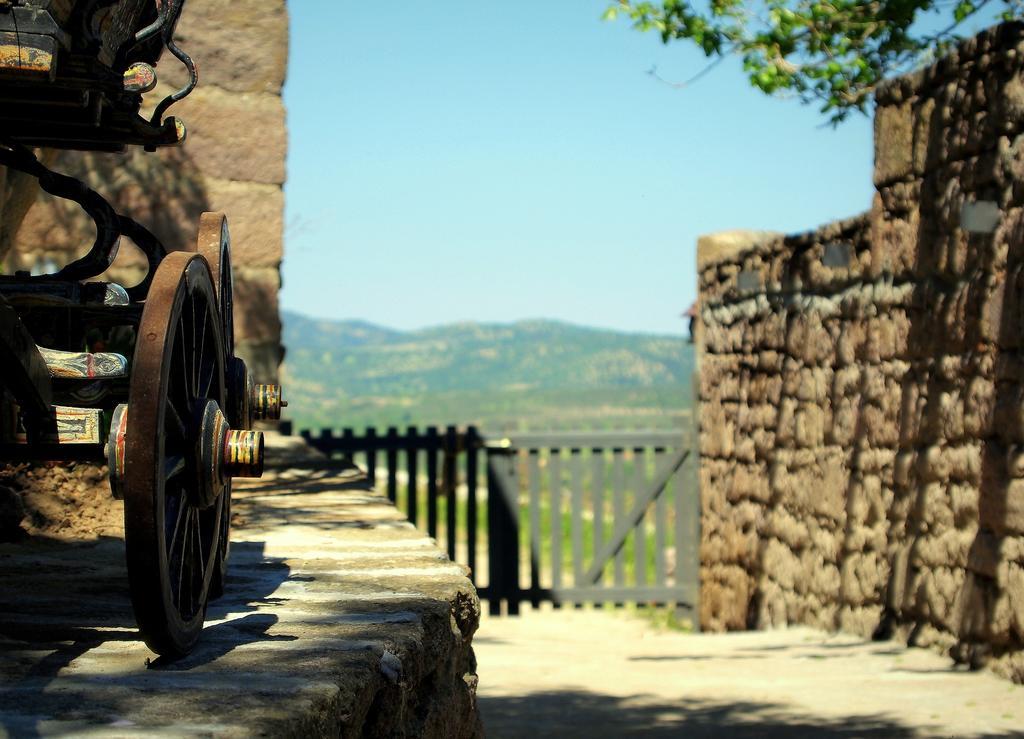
(863, 387)
(233, 161)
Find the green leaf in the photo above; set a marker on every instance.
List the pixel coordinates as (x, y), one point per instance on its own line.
(963, 10)
(829, 52)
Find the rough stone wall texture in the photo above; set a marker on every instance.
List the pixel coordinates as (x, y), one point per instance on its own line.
(863, 388)
(233, 161)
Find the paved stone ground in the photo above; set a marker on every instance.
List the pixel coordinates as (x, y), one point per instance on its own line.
(594, 674)
(339, 617)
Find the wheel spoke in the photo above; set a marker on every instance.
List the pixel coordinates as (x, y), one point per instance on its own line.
(183, 561)
(208, 373)
(196, 558)
(201, 350)
(181, 515)
(173, 466)
(184, 366)
(202, 558)
(204, 367)
(175, 422)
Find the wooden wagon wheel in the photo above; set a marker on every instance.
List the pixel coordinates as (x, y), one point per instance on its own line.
(173, 474)
(214, 243)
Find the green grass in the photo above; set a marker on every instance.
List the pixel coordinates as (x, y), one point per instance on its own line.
(664, 617)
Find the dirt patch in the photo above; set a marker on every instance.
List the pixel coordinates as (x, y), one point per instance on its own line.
(66, 501)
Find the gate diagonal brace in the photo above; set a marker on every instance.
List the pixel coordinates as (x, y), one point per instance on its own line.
(635, 516)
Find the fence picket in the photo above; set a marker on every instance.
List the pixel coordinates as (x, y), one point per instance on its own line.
(495, 542)
(619, 513)
(412, 453)
(555, 471)
(392, 460)
(639, 534)
(511, 491)
(577, 516)
(502, 506)
(371, 456)
(347, 437)
(533, 475)
(451, 445)
(597, 494)
(431, 452)
(472, 450)
(660, 518)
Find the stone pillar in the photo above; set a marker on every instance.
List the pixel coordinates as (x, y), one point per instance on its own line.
(238, 140)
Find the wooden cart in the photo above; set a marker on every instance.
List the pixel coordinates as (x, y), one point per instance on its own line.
(144, 377)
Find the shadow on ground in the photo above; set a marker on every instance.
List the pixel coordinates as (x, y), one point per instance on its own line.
(579, 713)
(272, 503)
(60, 601)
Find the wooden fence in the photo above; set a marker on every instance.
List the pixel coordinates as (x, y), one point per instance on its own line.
(569, 517)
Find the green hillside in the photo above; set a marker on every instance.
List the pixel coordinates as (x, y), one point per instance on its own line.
(531, 374)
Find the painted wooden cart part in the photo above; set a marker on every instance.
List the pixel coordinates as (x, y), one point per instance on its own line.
(212, 452)
(28, 55)
(63, 293)
(75, 95)
(267, 402)
(45, 18)
(73, 426)
(243, 454)
(139, 78)
(84, 365)
(115, 450)
(224, 453)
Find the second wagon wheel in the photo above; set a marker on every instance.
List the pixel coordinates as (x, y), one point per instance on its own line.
(214, 243)
(172, 479)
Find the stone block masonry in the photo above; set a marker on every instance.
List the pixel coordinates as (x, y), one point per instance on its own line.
(233, 161)
(862, 426)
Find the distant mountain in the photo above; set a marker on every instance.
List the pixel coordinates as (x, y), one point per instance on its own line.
(348, 372)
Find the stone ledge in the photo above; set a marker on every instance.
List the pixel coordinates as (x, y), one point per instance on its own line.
(727, 246)
(340, 618)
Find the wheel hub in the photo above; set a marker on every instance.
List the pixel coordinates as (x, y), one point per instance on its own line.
(223, 453)
(220, 453)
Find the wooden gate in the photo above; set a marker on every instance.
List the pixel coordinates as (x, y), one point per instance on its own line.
(593, 517)
(571, 517)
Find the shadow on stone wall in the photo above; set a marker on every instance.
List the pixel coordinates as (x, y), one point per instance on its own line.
(165, 192)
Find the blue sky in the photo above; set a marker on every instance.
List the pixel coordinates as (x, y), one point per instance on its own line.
(489, 161)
